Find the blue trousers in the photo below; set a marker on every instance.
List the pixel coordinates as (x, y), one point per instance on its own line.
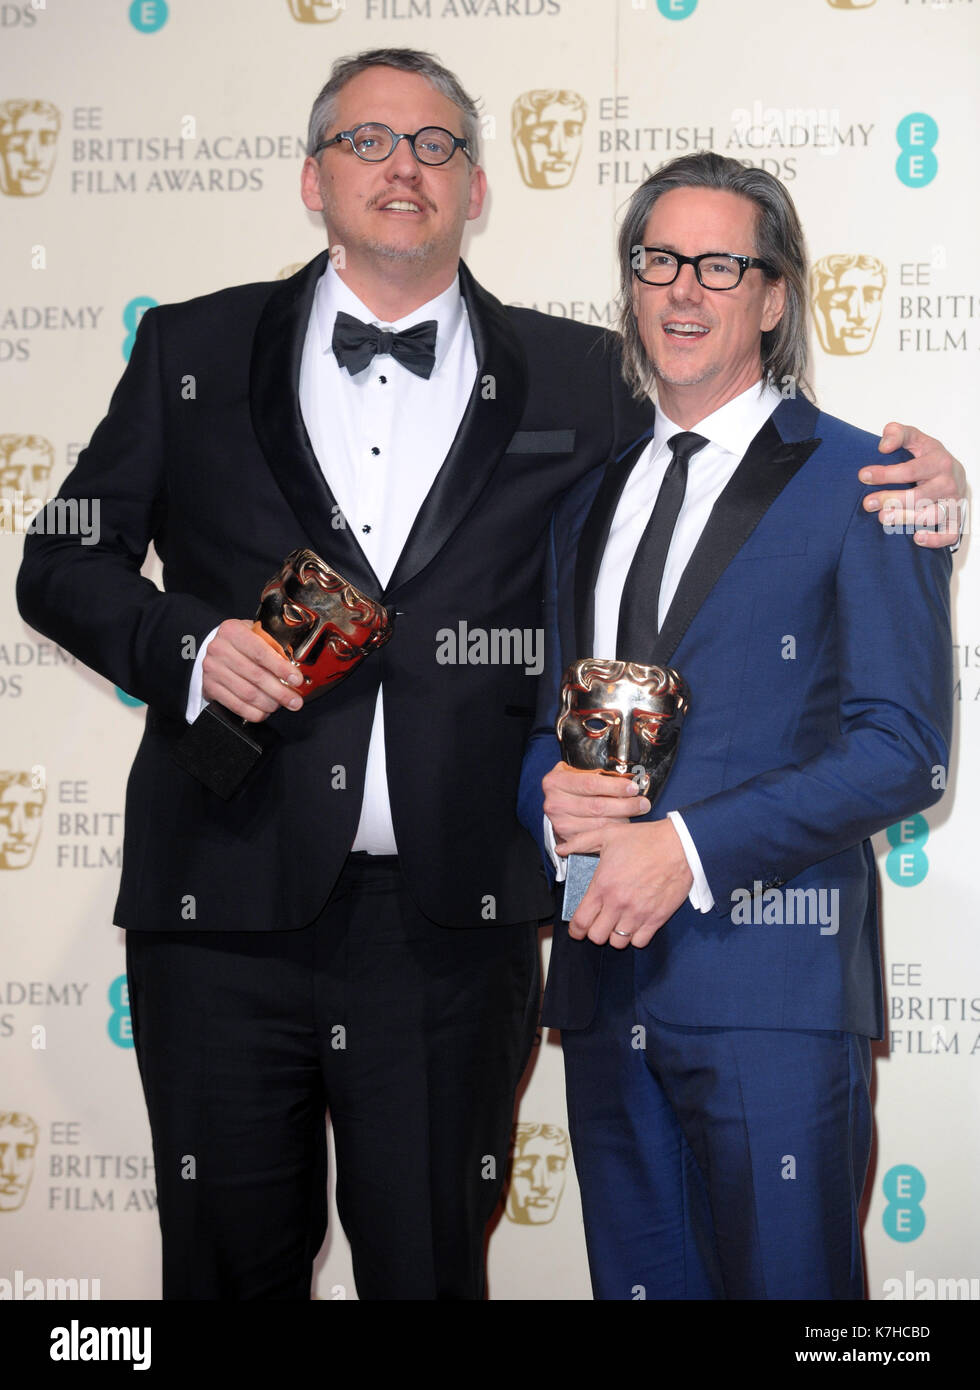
(716, 1163)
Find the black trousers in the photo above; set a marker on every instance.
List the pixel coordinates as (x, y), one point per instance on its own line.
(413, 1036)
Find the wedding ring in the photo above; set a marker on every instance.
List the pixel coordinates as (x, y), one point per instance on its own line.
(617, 932)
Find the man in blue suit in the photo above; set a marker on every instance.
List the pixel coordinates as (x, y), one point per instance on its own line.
(719, 984)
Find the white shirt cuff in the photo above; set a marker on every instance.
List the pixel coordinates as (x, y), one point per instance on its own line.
(560, 863)
(700, 897)
(195, 695)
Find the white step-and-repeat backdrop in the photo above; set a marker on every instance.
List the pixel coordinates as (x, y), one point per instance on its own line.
(150, 152)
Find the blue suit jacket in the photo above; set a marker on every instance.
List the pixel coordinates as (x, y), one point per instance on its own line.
(818, 653)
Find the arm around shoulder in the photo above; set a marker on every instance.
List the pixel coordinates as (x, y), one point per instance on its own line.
(889, 756)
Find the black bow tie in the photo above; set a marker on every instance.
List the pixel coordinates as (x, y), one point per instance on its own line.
(355, 343)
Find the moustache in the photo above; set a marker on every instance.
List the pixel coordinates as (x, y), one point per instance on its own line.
(401, 196)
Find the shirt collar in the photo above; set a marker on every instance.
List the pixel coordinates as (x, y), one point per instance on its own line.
(733, 425)
(332, 296)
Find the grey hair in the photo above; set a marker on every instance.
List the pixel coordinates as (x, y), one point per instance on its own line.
(405, 60)
(779, 242)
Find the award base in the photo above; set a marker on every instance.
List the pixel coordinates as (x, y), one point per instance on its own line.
(219, 749)
(581, 867)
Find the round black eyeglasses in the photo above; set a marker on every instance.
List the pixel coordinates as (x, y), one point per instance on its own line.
(374, 142)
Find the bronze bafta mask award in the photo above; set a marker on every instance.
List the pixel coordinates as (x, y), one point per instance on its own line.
(317, 620)
(623, 719)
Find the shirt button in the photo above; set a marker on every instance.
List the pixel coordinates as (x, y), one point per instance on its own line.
(383, 380)
(375, 450)
(365, 529)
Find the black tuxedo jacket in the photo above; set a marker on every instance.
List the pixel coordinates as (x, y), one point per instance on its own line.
(204, 453)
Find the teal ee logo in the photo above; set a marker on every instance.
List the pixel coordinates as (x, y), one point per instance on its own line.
(148, 15)
(905, 1187)
(120, 1025)
(130, 700)
(676, 9)
(131, 316)
(916, 135)
(906, 863)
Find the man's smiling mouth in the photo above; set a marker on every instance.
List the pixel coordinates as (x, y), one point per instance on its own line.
(691, 331)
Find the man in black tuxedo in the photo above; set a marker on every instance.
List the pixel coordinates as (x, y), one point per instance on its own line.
(342, 934)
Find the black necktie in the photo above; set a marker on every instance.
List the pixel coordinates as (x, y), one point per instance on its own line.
(355, 343)
(638, 607)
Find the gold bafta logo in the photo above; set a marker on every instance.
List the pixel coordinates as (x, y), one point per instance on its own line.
(18, 1141)
(28, 141)
(537, 1175)
(546, 128)
(316, 11)
(21, 809)
(845, 295)
(26, 461)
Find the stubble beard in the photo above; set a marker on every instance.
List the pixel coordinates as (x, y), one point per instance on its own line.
(418, 255)
(677, 378)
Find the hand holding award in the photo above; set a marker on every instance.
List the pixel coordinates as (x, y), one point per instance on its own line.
(323, 625)
(623, 719)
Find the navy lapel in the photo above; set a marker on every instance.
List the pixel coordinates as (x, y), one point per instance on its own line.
(277, 353)
(592, 543)
(489, 421)
(780, 448)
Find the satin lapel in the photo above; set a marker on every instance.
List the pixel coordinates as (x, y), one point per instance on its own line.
(277, 353)
(488, 424)
(592, 543)
(767, 467)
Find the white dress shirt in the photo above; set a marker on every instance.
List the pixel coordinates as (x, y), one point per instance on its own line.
(729, 431)
(380, 438)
